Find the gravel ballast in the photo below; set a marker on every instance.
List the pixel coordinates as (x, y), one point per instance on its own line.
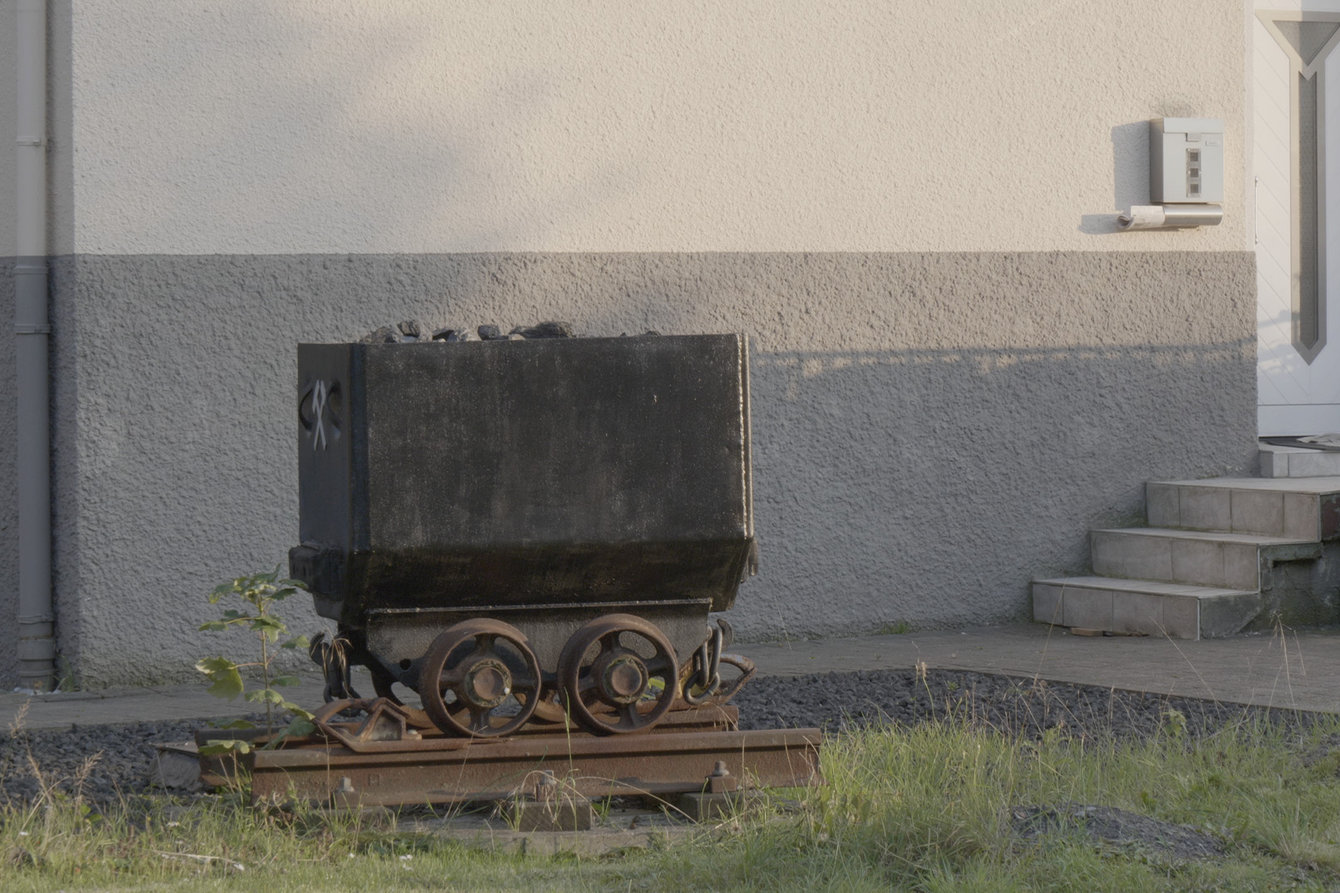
(1026, 708)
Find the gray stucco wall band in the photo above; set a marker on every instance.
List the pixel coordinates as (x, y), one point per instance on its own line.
(9, 509)
(931, 430)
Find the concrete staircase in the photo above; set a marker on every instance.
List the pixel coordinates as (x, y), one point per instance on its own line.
(1296, 462)
(1220, 556)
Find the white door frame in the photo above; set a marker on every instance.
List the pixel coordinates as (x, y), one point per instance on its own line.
(1296, 187)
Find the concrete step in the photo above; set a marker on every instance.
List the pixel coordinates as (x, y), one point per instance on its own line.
(1295, 462)
(1193, 557)
(1143, 607)
(1291, 508)
(1207, 564)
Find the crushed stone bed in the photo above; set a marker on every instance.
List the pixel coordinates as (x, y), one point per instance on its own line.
(1023, 708)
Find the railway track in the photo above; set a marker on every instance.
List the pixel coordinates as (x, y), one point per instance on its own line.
(390, 755)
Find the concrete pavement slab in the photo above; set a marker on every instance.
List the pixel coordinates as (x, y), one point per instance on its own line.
(1289, 669)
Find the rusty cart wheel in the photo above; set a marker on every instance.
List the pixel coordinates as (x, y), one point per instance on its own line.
(479, 679)
(618, 674)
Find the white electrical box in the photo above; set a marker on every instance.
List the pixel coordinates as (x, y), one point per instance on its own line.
(1186, 160)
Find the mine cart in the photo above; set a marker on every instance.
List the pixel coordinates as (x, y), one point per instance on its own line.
(520, 530)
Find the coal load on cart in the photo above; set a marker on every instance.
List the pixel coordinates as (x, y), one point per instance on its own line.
(529, 530)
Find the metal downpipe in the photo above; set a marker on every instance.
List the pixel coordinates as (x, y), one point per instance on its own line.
(37, 650)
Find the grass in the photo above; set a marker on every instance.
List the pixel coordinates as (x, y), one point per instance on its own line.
(926, 808)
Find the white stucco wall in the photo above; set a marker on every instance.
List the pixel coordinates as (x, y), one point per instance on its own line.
(959, 364)
(417, 126)
(8, 126)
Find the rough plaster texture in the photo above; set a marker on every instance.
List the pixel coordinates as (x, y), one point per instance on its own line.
(8, 128)
(9, 557)
(931, 430)
(939, 415)
(9, 511)
(60, 125)
(255, 127)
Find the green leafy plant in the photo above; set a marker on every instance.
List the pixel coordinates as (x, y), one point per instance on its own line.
(259, 593)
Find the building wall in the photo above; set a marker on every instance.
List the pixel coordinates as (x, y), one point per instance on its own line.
(958, 364)
(9, 544)
(931, 430)
(9, 510)
(318, 127)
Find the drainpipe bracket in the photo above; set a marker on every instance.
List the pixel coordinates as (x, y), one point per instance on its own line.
(22, 329)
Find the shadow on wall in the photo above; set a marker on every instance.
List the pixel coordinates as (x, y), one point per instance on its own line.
(9, 510)
(910, 464)
(1130, 177)
(932, 485)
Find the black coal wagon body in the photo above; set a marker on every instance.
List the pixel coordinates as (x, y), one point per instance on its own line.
(518, 528)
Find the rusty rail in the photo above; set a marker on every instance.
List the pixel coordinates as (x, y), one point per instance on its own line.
(457, 770)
